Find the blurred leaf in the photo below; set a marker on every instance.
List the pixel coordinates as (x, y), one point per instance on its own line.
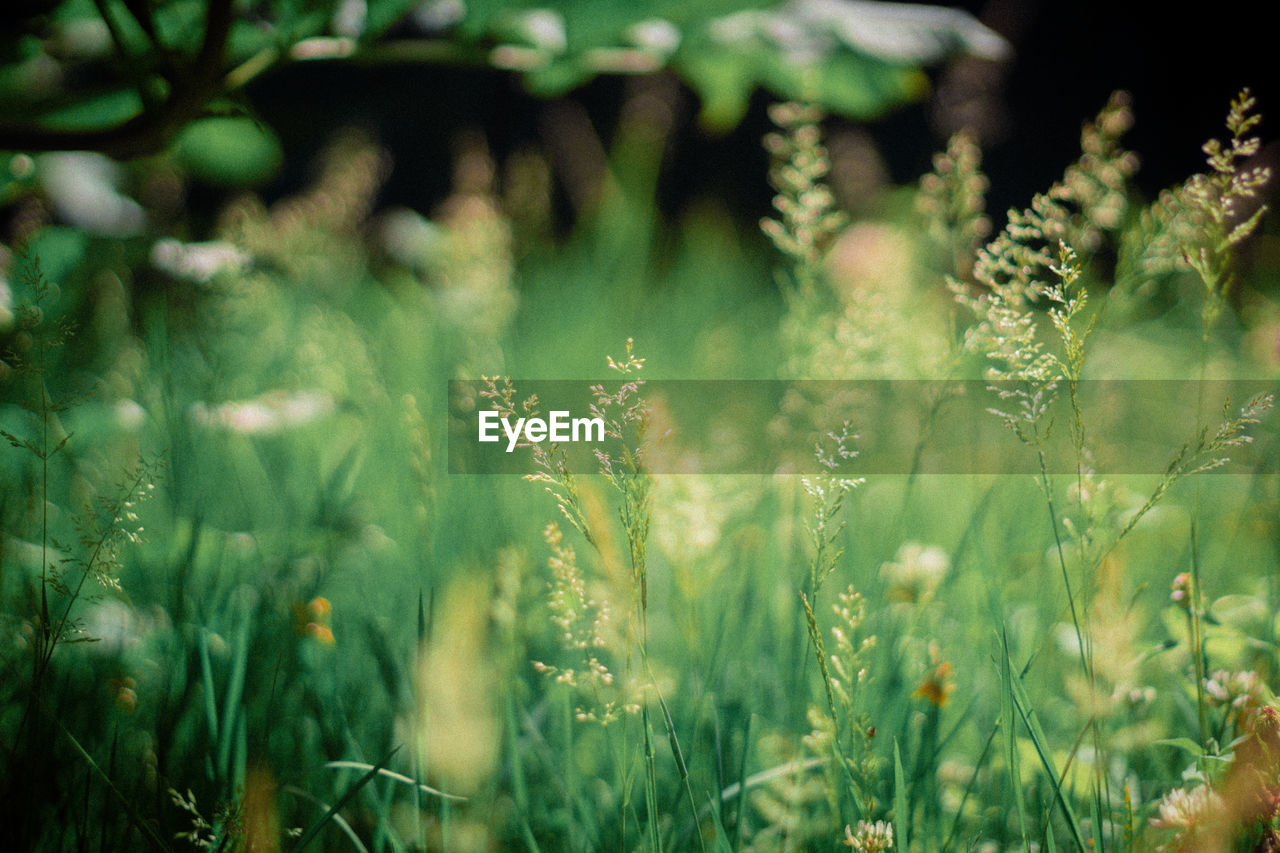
(724, 81)
(96, 110)
(855, 59)
(1239, 611)
(180, 24)
(382, 14)
(229, 151)
(857, 86)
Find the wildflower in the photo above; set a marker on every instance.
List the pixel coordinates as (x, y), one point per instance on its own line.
(915, 572)
(83, 188)
(312, 620)
(323, 633)
(125, 697)
(869, 837)
(655, 34)
(1184, 811)
(1181, 594)
(270, 413)
(198, 262)
(1133, 697)
(937, 685)
(1242, 691)
(129, 414)
(582, 623)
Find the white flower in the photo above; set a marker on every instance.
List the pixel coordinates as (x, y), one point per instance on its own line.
(808, 30)
(544, 29)
(1241, 690)
(81, 186)
(198, 262)
(869, 837)
(130, 415)
(916, 571)
(1184, 810)
(270, 413)
(655, 34)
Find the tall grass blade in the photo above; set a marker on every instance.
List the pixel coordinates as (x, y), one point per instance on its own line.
(314, 830)
(1041, 744)
(738, 829)
(650, 783)
(232, 721)
(206, 679)
(722, 844)
(901, 812)
(147, 830)
(338, 820)
(394, 776)
(1011, 736)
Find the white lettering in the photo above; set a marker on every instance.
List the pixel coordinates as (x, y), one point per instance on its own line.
(488, 420)
(559, 426)
(513, 435)
(587, 425)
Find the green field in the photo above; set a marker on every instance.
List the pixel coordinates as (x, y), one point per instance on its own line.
(252, 602)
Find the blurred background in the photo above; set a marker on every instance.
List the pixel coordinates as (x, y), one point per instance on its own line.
(247, 244)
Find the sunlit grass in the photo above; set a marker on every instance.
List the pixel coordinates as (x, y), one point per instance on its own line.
(326, 637)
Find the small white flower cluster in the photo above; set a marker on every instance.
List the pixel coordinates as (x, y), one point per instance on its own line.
(270, 413)
(869, 837)
(915, 573)
(1186, 811)
(1243, 691)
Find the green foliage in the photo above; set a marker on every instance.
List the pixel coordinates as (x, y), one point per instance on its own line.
(173, 67)
(324, 638)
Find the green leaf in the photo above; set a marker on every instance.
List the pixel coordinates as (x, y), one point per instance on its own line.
(723, 81)
(1186, 744)
(103, 109)
(229, 151)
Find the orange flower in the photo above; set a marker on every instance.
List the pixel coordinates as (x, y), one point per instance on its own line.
(320, 632)
(937, 686)
(312, 620)
(126, 698)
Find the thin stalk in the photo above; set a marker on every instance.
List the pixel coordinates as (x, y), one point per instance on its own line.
(1193, 612)
(1062, 560)
(1197, 640)
(56, 636)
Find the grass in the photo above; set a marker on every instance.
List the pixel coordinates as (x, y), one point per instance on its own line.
(325, 640)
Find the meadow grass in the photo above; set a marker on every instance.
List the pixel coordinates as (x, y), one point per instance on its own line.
(313, 635)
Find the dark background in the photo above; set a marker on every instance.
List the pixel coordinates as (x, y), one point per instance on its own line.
(1182, 65)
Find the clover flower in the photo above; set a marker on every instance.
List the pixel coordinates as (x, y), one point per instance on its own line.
(869, 837)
